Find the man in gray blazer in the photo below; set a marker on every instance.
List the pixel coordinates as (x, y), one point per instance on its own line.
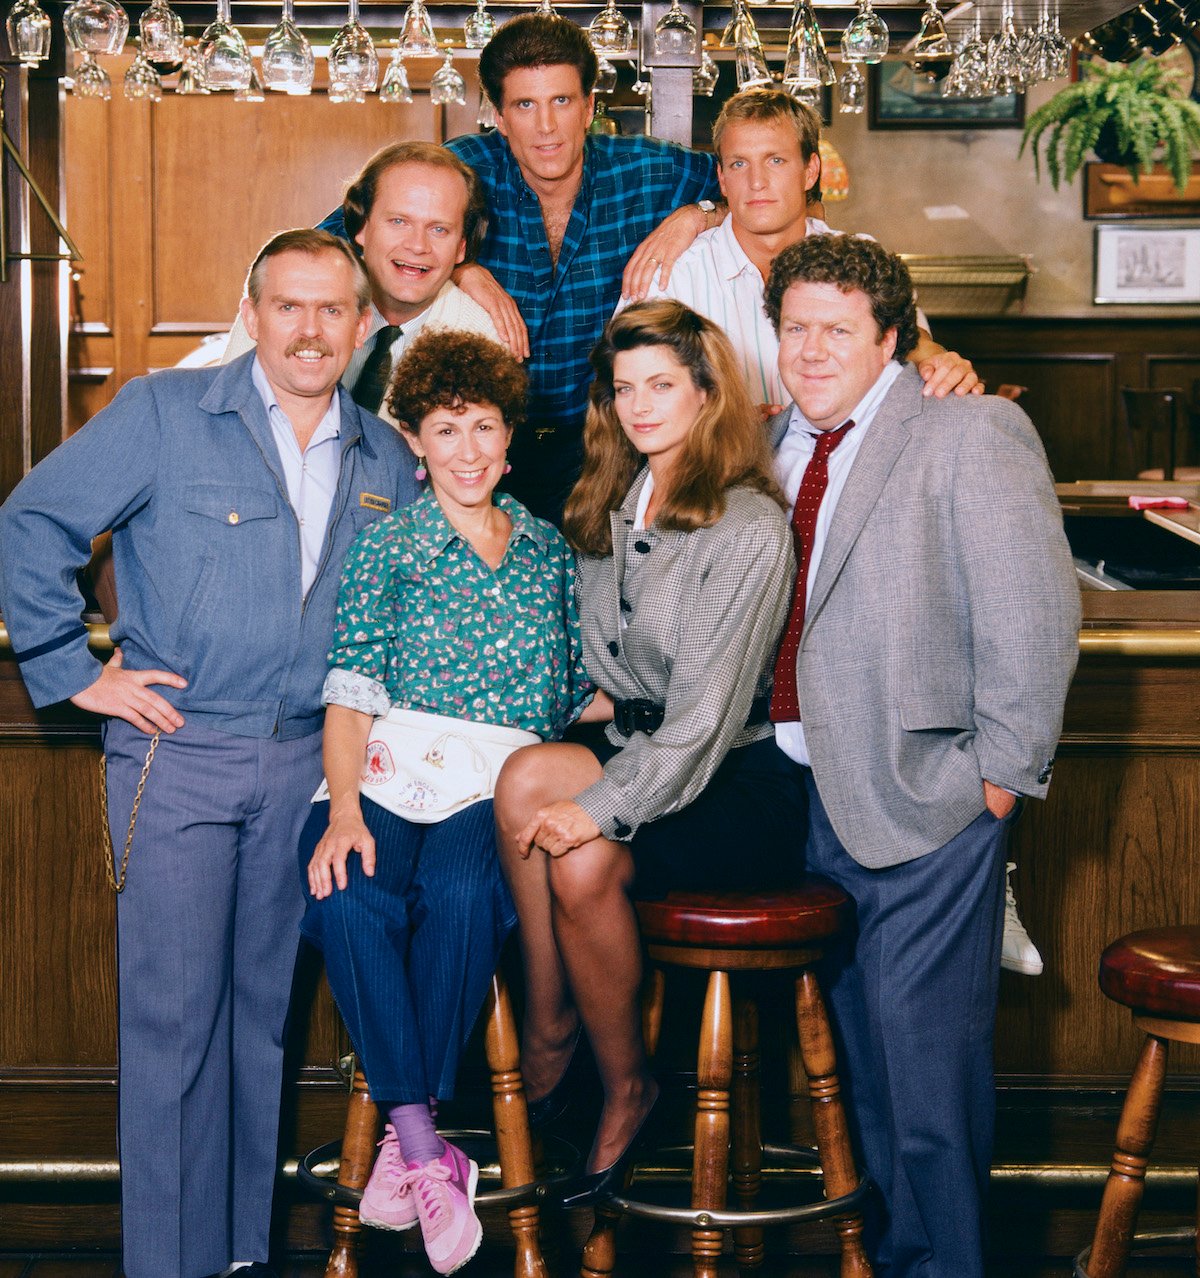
(920, 684)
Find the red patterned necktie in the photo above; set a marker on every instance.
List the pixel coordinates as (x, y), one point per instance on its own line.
(785, 704)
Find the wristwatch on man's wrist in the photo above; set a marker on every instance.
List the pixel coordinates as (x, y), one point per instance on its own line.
(708, 208)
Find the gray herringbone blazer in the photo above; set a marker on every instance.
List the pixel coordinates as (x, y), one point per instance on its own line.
(704, 613)
(942, 629)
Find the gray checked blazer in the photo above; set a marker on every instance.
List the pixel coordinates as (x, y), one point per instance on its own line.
(942, 629)
(704, 611)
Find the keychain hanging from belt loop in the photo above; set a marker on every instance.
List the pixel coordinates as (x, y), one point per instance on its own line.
(110, 858)
(10, 148)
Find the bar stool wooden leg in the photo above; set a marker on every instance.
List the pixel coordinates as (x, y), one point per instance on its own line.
(511, 1117)
(747, 1139)
(1196, 1264)
(829, 1118)
(714, 1073)
(1127, 1177)
(358, 1156)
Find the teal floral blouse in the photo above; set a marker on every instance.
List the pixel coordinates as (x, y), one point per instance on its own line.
(423, 623)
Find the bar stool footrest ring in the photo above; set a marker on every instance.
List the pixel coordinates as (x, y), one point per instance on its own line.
(739, 1218)
(1147, 1241)
(563, 1157)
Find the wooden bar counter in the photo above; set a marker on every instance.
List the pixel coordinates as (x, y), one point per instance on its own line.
(1113, 848)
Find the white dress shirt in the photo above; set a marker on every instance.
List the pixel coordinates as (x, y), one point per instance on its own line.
(311, 476)
(716, 279)
(791, 461)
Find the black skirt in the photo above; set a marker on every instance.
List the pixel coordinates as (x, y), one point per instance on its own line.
(744, 832)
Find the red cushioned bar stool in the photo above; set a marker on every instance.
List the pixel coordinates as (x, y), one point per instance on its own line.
(1156, 973)
(730, 935)
(520, 1193)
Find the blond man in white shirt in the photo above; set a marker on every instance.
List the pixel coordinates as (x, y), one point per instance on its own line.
(769, 167)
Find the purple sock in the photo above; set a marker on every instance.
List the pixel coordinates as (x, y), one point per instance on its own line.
(415, 1133)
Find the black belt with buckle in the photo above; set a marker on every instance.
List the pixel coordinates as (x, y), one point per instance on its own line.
(639, 714)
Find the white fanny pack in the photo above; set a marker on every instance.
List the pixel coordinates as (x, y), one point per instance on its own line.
(426, 767)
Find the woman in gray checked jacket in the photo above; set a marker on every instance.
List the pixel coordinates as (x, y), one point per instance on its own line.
(684, 579)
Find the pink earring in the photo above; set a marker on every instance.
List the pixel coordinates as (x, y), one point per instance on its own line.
(508, 468)
(421, 473)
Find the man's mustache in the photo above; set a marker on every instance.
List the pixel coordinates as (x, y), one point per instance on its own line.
(305, 345)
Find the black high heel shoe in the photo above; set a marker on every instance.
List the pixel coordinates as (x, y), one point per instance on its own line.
(553, 1105)
(591, 1187)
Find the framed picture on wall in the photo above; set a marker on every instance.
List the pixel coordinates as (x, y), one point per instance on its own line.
(1148, 265)
(898, 98)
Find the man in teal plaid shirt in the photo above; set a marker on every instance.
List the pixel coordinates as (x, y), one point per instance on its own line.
(568, 212)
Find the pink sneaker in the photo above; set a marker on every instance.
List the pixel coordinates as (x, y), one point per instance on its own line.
(386, 1201)
(444, 1191)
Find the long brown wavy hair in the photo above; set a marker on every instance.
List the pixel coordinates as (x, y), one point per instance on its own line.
(726, 447)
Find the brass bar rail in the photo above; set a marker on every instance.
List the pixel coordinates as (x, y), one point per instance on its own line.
(1094, 641)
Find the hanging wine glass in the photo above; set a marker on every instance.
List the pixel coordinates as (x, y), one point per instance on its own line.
(254, 91)
(90, 79)
(808, 95)
(1004, 56)
(287, 58)
(161, 29)
(1053, 51)
(704, 77)
(932, 51)
(395, 87)
(28, 27)
(479, 27)
(224, 58)
(606, 76)
(546, 9)
(640, 85)
(750, 67)
(611, 31)
(675, 34)
(807, 62)
(852, 89)
(740, 28)
(353, 62)
(416, 32)
(142, 81)
(485, 116)
(447, 87)
(191, 78)
(866, 37)
(96, 26)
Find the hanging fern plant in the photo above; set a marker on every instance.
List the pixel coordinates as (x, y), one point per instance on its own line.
(1123, 114)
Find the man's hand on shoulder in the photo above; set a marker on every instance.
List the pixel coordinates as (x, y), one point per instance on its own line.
(663, 247)
(948, 371)
(480, 286)
(125, 694)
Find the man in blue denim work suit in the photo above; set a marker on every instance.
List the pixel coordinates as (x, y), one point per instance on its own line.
(232, 494)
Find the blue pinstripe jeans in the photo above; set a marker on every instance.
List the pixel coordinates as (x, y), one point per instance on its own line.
(410, 951)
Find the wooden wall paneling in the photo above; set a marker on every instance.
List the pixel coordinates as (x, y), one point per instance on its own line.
(14, 349)
(266, 166)
(48, 280)
(60, 915)
(1070, 399)
(1107, 852)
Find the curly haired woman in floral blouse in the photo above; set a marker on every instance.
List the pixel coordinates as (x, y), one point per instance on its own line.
(456, 642)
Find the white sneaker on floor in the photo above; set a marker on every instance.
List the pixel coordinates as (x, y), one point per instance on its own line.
(1017, 952)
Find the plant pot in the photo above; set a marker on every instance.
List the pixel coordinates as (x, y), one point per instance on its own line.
(1108, 150)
